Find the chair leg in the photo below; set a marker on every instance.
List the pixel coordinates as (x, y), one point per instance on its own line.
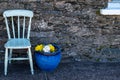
(6, 61)
(10, 55)
(30, 60)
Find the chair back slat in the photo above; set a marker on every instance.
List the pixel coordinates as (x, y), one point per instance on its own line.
(17, 26)
(13, 27)
(29, 28)
(8, 30)
(23, 27)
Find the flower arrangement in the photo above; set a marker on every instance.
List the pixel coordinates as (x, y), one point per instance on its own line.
(42, 48)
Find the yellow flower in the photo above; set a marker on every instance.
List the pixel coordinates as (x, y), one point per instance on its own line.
(39, 47)
(52, 48)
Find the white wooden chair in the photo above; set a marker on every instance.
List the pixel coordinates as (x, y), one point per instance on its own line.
(18, 25)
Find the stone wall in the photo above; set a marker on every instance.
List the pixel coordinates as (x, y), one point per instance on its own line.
(75, 25)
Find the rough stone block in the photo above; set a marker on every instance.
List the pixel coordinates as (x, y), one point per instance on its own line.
(42, 34)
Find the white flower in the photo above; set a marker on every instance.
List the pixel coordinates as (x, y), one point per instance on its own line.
(46, 48)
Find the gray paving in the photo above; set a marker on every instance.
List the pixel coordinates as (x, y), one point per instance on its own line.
(65, 71)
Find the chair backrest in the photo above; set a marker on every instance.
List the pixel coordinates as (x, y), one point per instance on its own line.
(18, 23)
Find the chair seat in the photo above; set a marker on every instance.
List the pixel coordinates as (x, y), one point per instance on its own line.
(18, 43)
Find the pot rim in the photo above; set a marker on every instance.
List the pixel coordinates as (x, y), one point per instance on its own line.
(58, 50)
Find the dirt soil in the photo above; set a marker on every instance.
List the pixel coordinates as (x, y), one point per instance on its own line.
(65, 71)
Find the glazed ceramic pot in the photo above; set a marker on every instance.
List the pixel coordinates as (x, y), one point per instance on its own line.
(48, 61)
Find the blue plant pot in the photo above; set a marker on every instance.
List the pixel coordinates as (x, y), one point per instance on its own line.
(48, 62)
